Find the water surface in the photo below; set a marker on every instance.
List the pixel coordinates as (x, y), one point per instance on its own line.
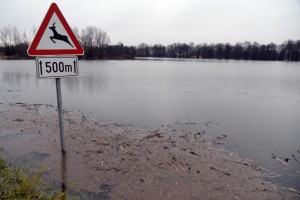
(256, 104)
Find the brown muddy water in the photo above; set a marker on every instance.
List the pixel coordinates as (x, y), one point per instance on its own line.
(255, 104)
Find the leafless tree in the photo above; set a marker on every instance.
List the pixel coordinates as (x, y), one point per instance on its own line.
(32, 33)
(143, 50)
(94, 40)
(24, 37)
(5, 36)
(16, 39)
(101, 38)
(90, 33)
(76, 32)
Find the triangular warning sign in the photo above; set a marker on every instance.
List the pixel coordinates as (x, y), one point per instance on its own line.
(54, 37)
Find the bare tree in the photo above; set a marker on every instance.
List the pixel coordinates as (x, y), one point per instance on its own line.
(24, 37)
(76, 32)
(16, 39)
(94, 40)
(101, 38)
(98, 38)
(32, 33)
(143, 50)
(5, 36)
(91, 32)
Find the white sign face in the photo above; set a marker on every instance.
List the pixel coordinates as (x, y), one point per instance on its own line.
(56, 67)
(55, 36)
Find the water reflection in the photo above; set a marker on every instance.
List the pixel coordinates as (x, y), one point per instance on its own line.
(88, 84)
(64, 173)
(15, 78)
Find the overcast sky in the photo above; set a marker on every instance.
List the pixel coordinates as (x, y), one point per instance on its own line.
(167, 21)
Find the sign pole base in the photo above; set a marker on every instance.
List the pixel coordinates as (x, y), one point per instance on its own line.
(60, 115)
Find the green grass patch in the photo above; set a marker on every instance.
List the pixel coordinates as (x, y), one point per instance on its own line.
(16, 184)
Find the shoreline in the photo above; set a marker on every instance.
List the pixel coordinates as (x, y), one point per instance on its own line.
(120, 162)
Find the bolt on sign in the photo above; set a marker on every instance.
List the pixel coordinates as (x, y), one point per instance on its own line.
(56, 45)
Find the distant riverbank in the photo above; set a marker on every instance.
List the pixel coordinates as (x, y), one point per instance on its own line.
(2, 57)
(287, 51)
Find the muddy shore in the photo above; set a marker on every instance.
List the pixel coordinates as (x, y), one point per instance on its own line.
(114, 161)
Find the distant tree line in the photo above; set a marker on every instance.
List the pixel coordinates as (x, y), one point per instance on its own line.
(289, 51)
(96, 43)
(14, 42)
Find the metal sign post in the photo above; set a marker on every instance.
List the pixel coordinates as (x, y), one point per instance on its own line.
(60, 116)
(56, 45)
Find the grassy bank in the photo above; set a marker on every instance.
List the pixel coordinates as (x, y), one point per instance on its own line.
(16, 184)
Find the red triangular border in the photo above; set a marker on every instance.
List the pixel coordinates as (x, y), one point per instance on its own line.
(33, 51)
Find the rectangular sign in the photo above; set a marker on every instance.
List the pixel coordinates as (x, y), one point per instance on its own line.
(56, 67)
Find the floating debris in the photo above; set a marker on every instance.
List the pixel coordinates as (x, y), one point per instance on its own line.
(295, 158)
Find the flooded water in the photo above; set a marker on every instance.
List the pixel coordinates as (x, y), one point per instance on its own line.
(255, 104)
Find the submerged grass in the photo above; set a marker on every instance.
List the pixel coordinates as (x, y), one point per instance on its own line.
(16, 184)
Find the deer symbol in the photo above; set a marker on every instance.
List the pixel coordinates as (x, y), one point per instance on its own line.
(58, 36)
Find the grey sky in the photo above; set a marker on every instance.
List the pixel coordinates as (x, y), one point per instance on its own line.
(167, 21)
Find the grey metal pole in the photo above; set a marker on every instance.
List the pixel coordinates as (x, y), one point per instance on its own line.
(60, 115)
